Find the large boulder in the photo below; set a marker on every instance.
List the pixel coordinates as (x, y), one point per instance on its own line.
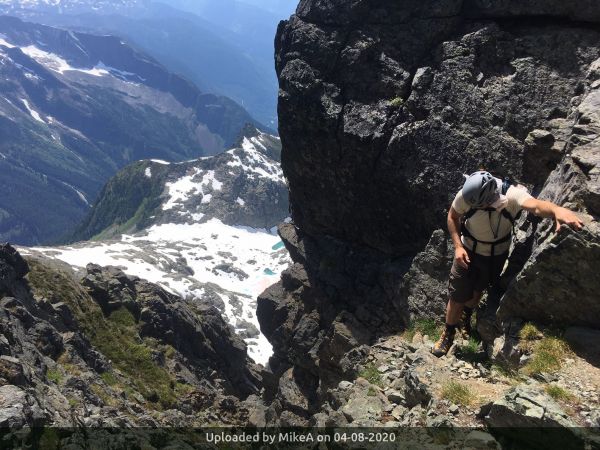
(528, 415)
(559, 282)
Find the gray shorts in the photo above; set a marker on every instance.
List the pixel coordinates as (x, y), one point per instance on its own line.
(482, 272)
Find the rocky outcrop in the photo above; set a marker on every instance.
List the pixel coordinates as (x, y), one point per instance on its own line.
(383, 106)
(328, 307)
(558, 283)
(547, 423)
(113, 350)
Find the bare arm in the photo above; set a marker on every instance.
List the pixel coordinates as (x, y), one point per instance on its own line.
(454, 227)
(543, 208)
(460, 254)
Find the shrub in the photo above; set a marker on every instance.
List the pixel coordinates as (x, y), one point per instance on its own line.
(397, 102)
(457, 393)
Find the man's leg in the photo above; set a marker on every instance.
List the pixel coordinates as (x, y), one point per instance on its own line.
(467, 313)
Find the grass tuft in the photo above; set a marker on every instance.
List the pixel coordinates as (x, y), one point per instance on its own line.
(559, 393)
(471, 347)
(529, 332)
(371, 374)
(427, 327)
(372, 392)
(397, 102)
(54, 375)
(457, 393)
(548, 355)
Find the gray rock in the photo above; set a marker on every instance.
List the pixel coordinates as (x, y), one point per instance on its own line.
(363, 408)
(416, 392)
(18, 409)
(583, 340)
(425, 285)
(395, 397)
(480, 440)
(529, 406)
(399, 412)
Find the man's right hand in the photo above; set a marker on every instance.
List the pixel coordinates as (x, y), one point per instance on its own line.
(461, 257)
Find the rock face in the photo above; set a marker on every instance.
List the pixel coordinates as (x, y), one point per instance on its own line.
(113, 350)
(383, 106)
(558, 284)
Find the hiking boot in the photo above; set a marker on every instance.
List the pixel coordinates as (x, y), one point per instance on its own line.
(465, 324)
(444, 343)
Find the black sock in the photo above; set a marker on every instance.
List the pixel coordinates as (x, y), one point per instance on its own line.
(451, 328)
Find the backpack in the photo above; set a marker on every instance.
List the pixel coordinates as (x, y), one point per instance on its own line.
(506, 184)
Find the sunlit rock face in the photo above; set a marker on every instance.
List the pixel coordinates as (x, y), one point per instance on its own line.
(383, 106)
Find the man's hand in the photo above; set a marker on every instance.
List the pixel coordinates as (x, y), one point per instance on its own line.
(543, 208)
(461, 257)
(567, 217)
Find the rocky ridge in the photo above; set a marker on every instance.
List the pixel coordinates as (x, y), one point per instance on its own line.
(107, 349)
(383, 106)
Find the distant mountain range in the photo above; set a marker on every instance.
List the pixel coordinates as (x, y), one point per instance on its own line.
(74, 108)
(203, 229)
(224, 47)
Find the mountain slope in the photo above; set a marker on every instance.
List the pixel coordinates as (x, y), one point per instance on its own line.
(74, 108)
(225, 48)
(202, 229)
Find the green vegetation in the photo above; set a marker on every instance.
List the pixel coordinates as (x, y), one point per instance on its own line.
(115, 336)
(427, 327)
(548, 354)
(372, 392)
(397, 102)
(471, 347)
(371, 374)
(457, 393)
(529, 332)
(126, 203)
(109, 378)
(558, 393)
(54, 375)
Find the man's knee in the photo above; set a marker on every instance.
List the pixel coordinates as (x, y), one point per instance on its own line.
(474, 300)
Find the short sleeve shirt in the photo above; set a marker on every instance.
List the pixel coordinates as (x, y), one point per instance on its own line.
(490, 227)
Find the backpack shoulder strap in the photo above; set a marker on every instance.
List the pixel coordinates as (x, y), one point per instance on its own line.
(506, 183)
(469, 213)
(508, 216)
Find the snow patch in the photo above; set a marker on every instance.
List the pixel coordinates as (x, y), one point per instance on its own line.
(240, 260)
(148, 172)
(33, 113)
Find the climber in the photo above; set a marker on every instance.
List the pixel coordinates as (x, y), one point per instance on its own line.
(480, 222)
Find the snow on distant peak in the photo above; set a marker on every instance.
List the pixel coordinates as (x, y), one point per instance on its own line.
(55, 63)
(198, 183)
(32, 112)
(254, 161)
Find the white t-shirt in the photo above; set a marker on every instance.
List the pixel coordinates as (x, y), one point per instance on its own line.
(488, 228)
